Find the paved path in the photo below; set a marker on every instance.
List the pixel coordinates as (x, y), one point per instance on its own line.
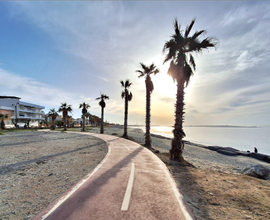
(130, 183)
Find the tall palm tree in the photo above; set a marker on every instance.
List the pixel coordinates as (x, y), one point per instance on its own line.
(128, 97)
(52, 113)
(84, 107)
(65, 108)
(180, 49)
(146, 72)
(102, 105)
(2, 118)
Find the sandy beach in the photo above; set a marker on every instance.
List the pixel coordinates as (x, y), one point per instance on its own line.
(193, 153)
(37, 167)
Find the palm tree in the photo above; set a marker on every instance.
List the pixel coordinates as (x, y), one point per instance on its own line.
(147, 71)
(102, 105)
(84, 107)
(65, 108)
(52, 113)
(179, 50)
(3, 117)
(128, 97)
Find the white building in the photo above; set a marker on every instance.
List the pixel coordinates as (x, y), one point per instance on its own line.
(20, 111)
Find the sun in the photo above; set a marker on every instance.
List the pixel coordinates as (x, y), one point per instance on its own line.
(164, 84)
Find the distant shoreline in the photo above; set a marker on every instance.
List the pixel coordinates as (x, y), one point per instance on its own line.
(204, 126)
(221, 126)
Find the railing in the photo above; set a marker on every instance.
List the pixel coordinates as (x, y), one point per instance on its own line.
(31, 117)
(31, 111)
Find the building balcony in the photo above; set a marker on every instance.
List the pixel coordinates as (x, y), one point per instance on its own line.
(31, 117)
(31, 111)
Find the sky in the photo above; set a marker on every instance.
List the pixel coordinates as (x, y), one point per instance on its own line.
(54, 52)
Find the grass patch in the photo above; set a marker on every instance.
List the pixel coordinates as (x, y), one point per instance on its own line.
(2, 132)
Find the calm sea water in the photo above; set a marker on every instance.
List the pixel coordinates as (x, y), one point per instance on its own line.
(239, 138)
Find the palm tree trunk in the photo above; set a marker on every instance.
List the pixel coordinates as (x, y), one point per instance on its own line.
(2, 124)
(65, 123)
(83, 125)
(53, 124)
(102, 117)
(126, 116)
(147, 120)
(65, 120)
(177, 143)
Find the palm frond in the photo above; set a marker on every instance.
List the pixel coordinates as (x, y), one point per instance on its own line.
(156, 71)
(152, 67)
(123, 94)
(122, 83)
(128, 83)
(197, 33)
(188, 29)
(192, 62)
(141, 73)
(105, 96)
(168, 45)
(144, 66)
(187, 73)
(130, 96)
(177, 27)
(208, 42)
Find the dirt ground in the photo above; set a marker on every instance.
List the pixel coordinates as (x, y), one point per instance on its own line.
(215, 195)
(38, 167)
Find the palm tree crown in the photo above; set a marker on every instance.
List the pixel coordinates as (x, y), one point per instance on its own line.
(102, 98)
(65, 108)
(84, 107)
(125, 92)
(147, 71)
(52, 112)
(180, 48)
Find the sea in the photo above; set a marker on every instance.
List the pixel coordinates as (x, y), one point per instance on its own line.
(241, 138)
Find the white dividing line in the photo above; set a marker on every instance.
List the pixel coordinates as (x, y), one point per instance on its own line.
(64, 198)
(126, 200)
(126, 147)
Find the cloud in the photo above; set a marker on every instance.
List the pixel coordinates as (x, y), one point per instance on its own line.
(36, 92)
(167, 99)
(107, 40)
